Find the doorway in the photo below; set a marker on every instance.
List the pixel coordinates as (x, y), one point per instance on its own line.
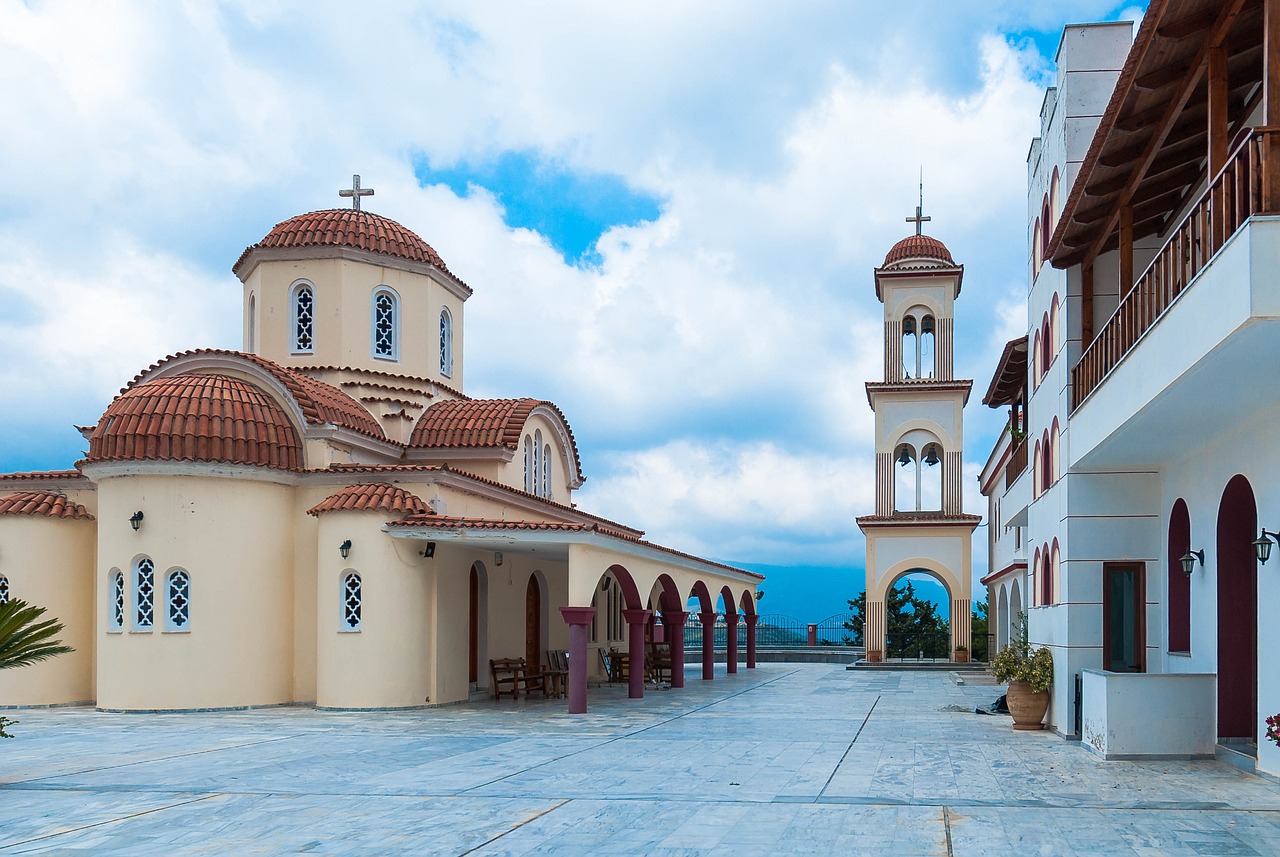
(1237, 570)
(532, 622)
(1124, 633)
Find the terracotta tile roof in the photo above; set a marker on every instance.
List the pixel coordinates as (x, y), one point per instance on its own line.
(321, 403)
(42, 475)
(372, 496)
(445, 522)
(444, 468)
(345, 227)
(391, 376)
(42, 503)
(913, 518)
(479, 423)
(918, 247)
(1010, 379)
(196, 418)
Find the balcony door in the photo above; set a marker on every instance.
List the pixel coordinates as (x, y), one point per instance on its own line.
(1124, 637)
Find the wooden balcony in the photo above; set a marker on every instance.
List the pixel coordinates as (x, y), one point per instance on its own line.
(1017, 464)
(1236, 193)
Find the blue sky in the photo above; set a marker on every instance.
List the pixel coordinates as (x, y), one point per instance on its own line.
(669, 213)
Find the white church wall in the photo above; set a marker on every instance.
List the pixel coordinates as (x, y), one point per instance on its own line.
(49, 563)
(234, 538)
(1137, 716)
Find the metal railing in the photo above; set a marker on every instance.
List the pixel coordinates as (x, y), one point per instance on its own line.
(919, 646)
(1234, 195)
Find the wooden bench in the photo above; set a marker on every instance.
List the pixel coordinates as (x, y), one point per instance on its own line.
(556, 673)
(511, 675)
(657, 662)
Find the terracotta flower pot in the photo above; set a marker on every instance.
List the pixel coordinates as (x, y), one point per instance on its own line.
(1026, 706)
(962, 657)
(873, 656)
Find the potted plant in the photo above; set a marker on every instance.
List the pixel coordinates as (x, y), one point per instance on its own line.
(873, 656)
(1273, 729)
(962, 654)
(1029, 672)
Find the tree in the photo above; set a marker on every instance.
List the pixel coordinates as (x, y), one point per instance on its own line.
(912, 626)
(979, 631)
(25, 640)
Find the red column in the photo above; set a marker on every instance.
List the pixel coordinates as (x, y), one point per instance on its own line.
(636, 620)
(752, 619)
(731, 639)
(578, 618)
(673, 622)
(708, 645)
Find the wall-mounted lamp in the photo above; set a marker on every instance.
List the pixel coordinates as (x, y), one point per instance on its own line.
(429, 551)
(759, 594)
(1262, 545)
(497, 557)
(1189, 561)
(135, 520)
(345, 548)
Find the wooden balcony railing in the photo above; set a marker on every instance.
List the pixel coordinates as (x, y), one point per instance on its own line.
(1017, 464)
(1234, 195)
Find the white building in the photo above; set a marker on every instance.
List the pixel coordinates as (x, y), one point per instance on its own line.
(1150, 405)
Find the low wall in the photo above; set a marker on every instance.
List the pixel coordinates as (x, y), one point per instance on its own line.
(1148, 715)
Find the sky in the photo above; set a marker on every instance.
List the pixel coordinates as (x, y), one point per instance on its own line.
(669, 213)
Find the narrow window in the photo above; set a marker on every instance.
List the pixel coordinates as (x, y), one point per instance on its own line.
(528, 464)
(4, 589)
(910, 346)
(537, 462)
(304, 319)
(352, 601)
(144, 593)
(906, 478)
(927, 368)
(385, 336)
(446, 343)
(253, 317)
(546, 471)
(1179, 582)
(178, 598)
(117, 600)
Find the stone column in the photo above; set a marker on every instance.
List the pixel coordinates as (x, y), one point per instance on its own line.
(731, 642)
(873, 630)
(578, 618)
(636, 621)
(752, 619)
(674, 623)
(708, 645)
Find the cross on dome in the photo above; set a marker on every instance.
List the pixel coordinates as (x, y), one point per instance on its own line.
(355, 192)
(919, 220)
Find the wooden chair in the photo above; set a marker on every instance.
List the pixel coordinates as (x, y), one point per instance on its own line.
(556, 673)
(657, 662)
(510, 675)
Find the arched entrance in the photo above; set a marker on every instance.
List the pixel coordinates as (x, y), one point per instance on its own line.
(1000, 621)
(1237, 570)
(918, 621)
(533, 622)
(477, 625)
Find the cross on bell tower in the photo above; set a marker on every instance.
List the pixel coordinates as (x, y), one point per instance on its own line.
(355, 192)
(919, 220)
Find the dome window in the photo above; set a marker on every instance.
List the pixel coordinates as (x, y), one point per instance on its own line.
(304, 319)
(385, 324)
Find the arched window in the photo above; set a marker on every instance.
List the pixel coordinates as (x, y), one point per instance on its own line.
(115, 619)
(1034, 584)
(352, 601)
(251, 321)
(1055, 208)
(528, 464)
(910, 344)
(1055, 572)
(537, 462)
(905, 476)
(1046, 345)
(303, 316)
(1054, 338)
(918, 349)
(1046, 460)
(1046, 230)
(1035, 249)
(1179, 582)
(1037, 471)
(144, 594)
(1046, 579)
(446, 343)
(177, 596)
(1035, 361)
(926, 368)
(386, 324)
(1055, 447)
(4, 589)
(918, 479)
(546, 471)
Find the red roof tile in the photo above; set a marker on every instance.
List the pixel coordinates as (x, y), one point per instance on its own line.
(345, 227)
(917, 247)
(478, 423)
(321, 403)
(42, 503)
(196, 418)
(42, 475)
(372, 496)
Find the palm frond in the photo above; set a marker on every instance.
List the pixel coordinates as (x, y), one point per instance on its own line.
(25, 640)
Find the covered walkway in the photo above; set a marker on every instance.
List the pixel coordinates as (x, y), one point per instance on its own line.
(787, 758)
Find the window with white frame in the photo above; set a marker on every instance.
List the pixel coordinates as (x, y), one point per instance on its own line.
(528, 464)
(304, 318)
(446, 343)
(386, 336)
(537, 462)
(177, 596)
(352, 601)
(116, 618)
(546, 471)
(4, 589)
(144, 594)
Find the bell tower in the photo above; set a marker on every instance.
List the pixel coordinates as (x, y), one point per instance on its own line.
(919, 524)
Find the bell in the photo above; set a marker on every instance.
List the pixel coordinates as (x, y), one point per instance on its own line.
(931, 456)
(904, 456)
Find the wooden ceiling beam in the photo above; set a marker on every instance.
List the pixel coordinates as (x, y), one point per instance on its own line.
(1162, 77)
(1186, 26)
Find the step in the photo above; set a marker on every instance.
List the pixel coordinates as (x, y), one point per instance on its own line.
(923, 666)
(1240, 755)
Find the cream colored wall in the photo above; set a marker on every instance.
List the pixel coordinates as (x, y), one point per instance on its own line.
(306, 553)
(891, 554)
(343, 316)
(235, 539)
(900, 295)
(387, 663)
(902, 413)
(49, 563)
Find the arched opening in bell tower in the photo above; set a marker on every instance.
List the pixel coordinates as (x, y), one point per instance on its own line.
(919, 344)
(917, 485)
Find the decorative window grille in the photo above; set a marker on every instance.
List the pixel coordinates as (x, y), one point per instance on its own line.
(546, 471)
(446, 343)
(537, 463)
(178, 598)
(304, 319)
(384, 325)
(117, 600)
(4, 589)
(352, 601)
(528, 464)
(144, 590)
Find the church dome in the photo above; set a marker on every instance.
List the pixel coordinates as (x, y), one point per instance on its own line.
(346, 227)
(913, 250)
(196, 417)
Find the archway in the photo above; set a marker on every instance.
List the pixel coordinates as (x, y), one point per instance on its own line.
(533, 622)
(1001, 620)
(700, 597)
(477, 625)
(1016, 609)
(1179, 583)
(1237, 570)
(729, 609)
(917, 620)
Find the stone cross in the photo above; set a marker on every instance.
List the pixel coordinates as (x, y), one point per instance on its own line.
(355, 192)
